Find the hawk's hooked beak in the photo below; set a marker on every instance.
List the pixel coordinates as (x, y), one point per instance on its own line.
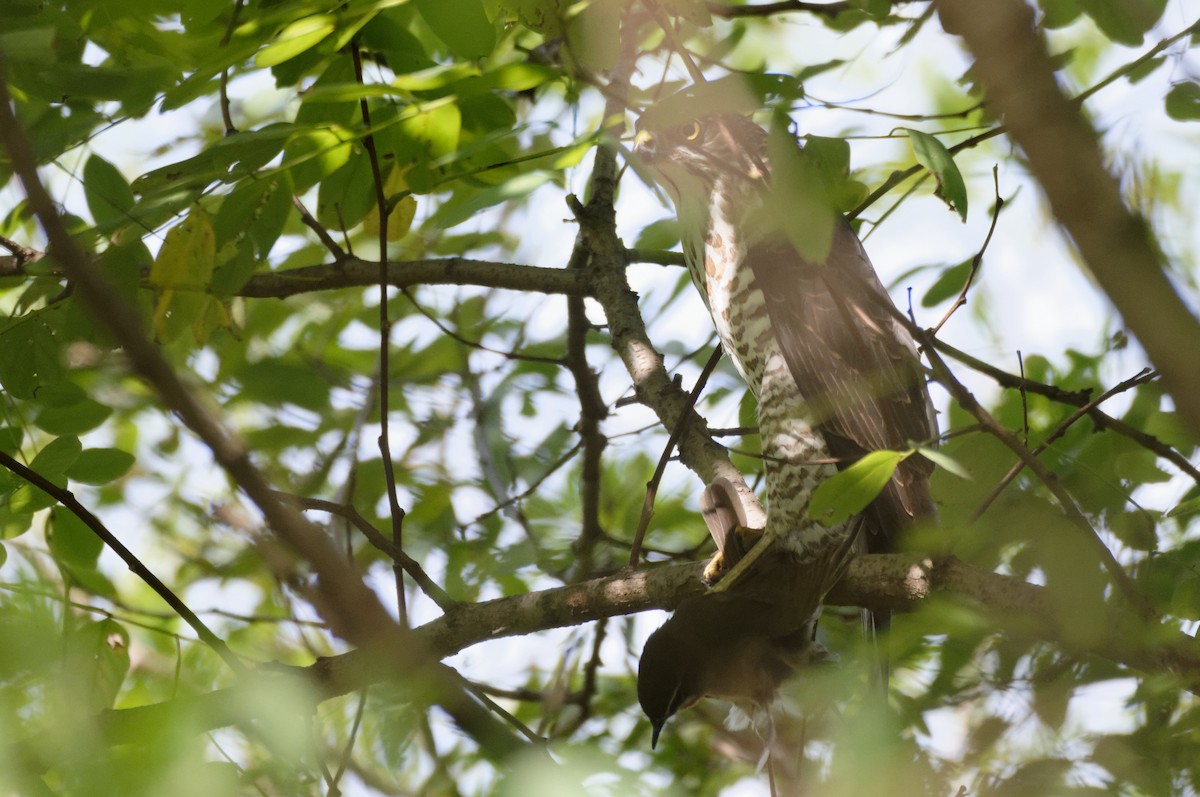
(643, 144)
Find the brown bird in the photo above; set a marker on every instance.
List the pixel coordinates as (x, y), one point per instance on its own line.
(835, 376)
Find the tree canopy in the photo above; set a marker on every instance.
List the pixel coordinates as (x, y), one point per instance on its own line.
(354, 402)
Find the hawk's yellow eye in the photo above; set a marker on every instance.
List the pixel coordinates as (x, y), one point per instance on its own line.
(692, 131)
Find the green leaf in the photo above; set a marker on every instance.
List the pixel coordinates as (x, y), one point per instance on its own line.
(831, 158)
(436, 128)
(933, 155)
(463, 25)
(296, 38)
(61, 394)
(278, 381)
(1189, 507)
(1183, 102)
(71, 541)
(100, 466)
(462, 207)
(1136, 529)
(313, 155)
(31, 45)
(73, 419)
(10, 439)
(346, 196)
(594, 34)
(848, 492)
(272, 215)
(803, 205)
(1060, 13)
(57, 455)
(235, 266)
(30, 358)
(97, 661)
(876, 8)
(109, 197)
(1124, 21)
(945, 462)
(948, 284)
(1185, 602)
(661, 234)
(435, 77)
(27, 499)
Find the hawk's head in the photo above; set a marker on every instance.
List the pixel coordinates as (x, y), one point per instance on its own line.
(700, 155)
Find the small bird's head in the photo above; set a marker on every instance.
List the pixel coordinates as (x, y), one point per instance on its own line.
(667, 677)
(734, 646)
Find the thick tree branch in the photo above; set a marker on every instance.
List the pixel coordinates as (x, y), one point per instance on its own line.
(592, 412)
(900, 582)
(1065, 158)
(355, 273)
(651, 382)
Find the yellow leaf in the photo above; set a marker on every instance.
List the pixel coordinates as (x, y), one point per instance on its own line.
(164, 330)
(401, 218)
(187, 255)
(211, 315)
(182, 273)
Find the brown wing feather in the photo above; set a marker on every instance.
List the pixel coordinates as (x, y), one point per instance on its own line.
(853, 363)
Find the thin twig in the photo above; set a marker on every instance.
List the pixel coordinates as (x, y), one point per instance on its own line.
(23, 253)
(968, 402)
(1024, 400)
(1005, 379)
(828, 10)
(226, 116)
(385, 326)
(976, 261)
(347, 751)
(528, 491)
(68, 500)
(1125, 69)
(1076, 398)
(474, 344)
(1144, 376)
(635, 550)
(377, 539)
(660, 257)
(673, 40)
(496, 708)
(590, 668)
(322, 234)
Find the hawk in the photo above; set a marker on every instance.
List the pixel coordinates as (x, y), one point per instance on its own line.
(835, 376)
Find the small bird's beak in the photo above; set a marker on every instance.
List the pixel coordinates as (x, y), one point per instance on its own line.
(658, 726)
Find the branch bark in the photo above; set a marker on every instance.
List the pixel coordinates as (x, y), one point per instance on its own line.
(355, 273)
